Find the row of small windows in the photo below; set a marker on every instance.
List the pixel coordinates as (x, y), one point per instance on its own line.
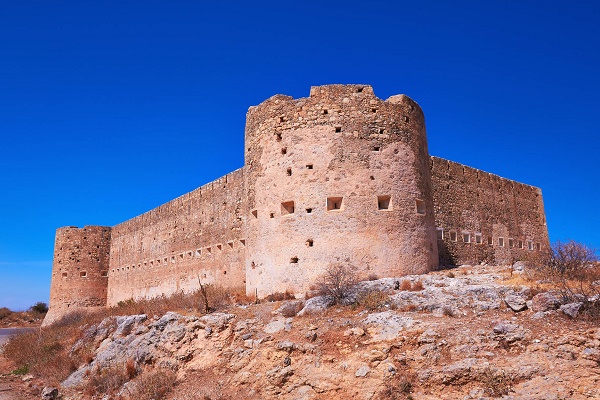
(477, 238)
(337, 204)
(84, 274)
(206, 251)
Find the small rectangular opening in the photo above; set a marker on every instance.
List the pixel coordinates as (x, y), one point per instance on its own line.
(278, 137)
(490, 241)
(181, 256)
(511, 243)
(325, 111)
(64, 274)
(220, 247)
(230, 244)
(165, 260)
(190, 253)
(209, 250)
(294, 260)
(104, 274)
(289, 172)
(309, 166)
(255, 213)
(467, 237)
(284, 150)
(287, 207)
(376, 148)
(83, 274)
(501, 242)
(271, 215)
(334, 203)
(338, 129)
(243, 242)
(440, 234)
(538, 246)
(309, 243)
(453, 236)
(373, 110)
(309, 210)
(420, 206)
(478, 238)
(381, 131)
(383, 202)
(281, 119)
(530, 245)
(520, 244)
(172, 259)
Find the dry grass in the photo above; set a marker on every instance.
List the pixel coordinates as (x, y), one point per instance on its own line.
(46, 352)
(416, 286)
(278, 296)
(151, 385)
(373, 300)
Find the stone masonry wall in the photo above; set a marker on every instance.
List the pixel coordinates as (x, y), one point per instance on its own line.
(482, 217)
(79, 269)
(338, 177)
(196, 237)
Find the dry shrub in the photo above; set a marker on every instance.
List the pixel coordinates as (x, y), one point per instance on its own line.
(573, 269)
(46, 352)
(372, 277)
(339, 282)
(417, 286)
(373, 300)
(405, 285)
(152, 385)
(290, 309)
(496, 382)
(107, 380)
(43, 352)
(448, 311)
(278, 296)
(4, 312)
(399, 387)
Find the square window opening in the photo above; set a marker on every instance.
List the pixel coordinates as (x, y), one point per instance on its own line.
(376, 148)
(309, 210)
(501, 242)
(467, 237)
(478, 238)
(309, 166)
(334, 203)
(272, 215)
(420, 206)
(490, 241)
(220, 247)
(287, 207)
(294, 260)
(230, 244)
(284, 150)
(309, 243)
(440, 234)
(453, 236)
(338, 129)
(243, 242)
(383, 202)
(64, 274)
(83, 274)
(511, 243)
(104, 274)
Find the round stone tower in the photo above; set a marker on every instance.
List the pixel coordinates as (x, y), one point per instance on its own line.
(338, 177)
(79, 270)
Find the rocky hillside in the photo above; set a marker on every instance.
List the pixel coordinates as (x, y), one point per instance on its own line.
(467, 333)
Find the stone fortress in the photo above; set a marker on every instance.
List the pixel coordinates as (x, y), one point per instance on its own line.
(338, 177)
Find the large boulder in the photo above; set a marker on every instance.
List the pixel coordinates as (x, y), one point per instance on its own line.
(545, 302)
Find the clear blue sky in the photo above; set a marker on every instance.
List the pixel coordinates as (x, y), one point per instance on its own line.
(109, 109)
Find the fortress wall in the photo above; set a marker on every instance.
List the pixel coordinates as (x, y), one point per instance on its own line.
(198, 236)
(335, 178)
(79, 270)
(507, 217)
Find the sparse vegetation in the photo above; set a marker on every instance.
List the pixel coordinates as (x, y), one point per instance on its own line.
(151, 385)
(407, 285)
(39, 307)
(338, 282)
(399, 387)
(278, 296)
(496, 382)
(573, 269)
(373, 300)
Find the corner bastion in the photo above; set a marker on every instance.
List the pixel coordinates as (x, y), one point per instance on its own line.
(341, 177)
